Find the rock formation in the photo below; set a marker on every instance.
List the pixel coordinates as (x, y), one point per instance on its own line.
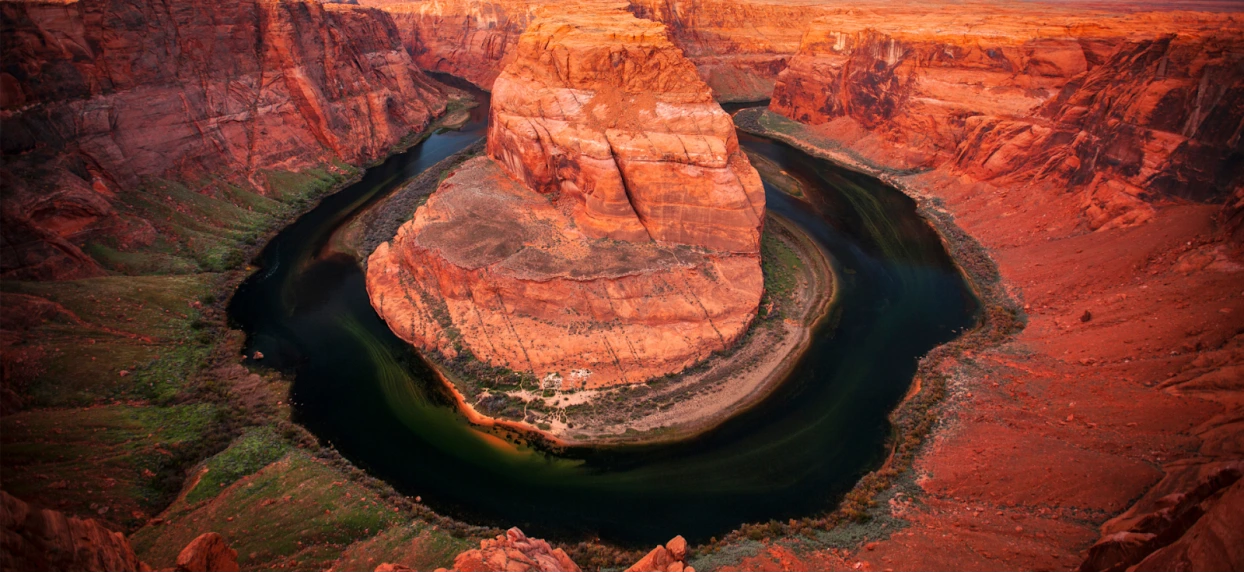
(514, 552)
(1122, 109)
(612, 235)
(207, 553)
(1176, 524)
(43, 540)
(98, 96)
(667, 558)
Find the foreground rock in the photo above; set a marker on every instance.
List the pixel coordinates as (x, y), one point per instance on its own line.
(207, 553)
(612, 236)
(43, 540)
(104, 95)
(514, 552)
(667, 558)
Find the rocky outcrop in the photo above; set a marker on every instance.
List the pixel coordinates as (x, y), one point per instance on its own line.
(34, 539)
(99, 96)
(667, 558)
(611, 237)
(514, 552)
(1162, 530)
(606, 116)
(207, 553)
(1126, 111)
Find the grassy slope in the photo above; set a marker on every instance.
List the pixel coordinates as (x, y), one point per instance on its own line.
(129, 398)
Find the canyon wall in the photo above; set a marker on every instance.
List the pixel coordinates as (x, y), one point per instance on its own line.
(738, 47)
(1126, 110)
(100, 96)
(612, 236)
(469, 39)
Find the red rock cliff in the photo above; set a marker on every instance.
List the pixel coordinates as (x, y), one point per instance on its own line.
(611, 237)
(99, 95)
(738, 47)
(469, 39)
(1123, 108)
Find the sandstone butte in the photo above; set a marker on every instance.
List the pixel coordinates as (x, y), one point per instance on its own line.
(100, 96)
(612, 233)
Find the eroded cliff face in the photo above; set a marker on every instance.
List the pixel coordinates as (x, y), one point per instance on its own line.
(100, 97)
(611, 236)
(468, 39)
(739, 48)
(1125, 110)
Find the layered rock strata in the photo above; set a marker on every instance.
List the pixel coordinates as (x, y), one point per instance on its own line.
(611, 236)
(738, 48)
(99, 96)
(469, 39)
(1126, 110)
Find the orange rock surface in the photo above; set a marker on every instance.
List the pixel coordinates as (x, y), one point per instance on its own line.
(738, 48)
(207, 553)
(1122, 108)
(469, 39)
(514, 552)
(603, 113)
(1076, 147)
(94, 104)
(664, 558)
(612, 237)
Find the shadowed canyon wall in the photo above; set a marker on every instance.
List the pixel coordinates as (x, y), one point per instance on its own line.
(100, 97)
(613, 234)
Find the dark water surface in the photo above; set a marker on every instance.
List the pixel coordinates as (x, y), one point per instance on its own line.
(363, 390)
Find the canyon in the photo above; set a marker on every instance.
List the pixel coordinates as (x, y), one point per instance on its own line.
(1092, 151)
(102, 100)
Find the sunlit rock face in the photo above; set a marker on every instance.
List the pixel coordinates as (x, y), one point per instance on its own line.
(1123, 111)
(104, 95)
(605, 115)
(611, 236)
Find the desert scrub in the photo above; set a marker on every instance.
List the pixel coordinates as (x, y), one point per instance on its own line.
(781, 266)
(255, 449)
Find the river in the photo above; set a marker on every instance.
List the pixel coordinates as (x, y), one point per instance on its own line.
(364, 391)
